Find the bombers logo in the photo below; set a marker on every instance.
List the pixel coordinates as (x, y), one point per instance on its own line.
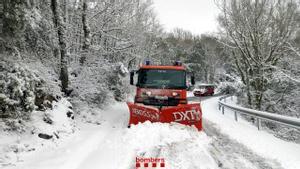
(149, 163)
(152, 116)
(187, 115)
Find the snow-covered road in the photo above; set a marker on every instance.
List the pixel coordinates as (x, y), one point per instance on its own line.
(112, 145)
(223, 144)
(232, 154)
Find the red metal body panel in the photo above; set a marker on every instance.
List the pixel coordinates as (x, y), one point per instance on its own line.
(189, 114)
(142, 113)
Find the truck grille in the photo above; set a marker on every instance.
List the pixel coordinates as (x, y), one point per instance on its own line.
(157, 102)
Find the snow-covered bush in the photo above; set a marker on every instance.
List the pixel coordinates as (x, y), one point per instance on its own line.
(18, 87)
(283, 97)
(96, 84)
(229, 84)
(89, 85)
(21, 92)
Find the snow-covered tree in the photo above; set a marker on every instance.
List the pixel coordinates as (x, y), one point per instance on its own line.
(259, 32)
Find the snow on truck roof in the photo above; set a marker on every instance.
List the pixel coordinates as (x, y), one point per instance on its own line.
(205, 84)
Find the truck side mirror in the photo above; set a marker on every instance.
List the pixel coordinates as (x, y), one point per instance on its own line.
(193, 80)
(131, 77)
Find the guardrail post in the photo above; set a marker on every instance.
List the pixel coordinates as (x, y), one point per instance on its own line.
(223, 110)
(258, 123)
(219, 106)
(235, 116)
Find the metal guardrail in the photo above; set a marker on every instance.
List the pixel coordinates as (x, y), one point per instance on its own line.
(259, 115)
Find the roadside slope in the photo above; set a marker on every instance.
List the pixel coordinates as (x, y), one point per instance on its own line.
(260, 142)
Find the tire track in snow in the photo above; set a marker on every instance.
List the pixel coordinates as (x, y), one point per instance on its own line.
(188, 154)
(232, 155)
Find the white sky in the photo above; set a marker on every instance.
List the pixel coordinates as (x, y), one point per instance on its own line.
(197, 16)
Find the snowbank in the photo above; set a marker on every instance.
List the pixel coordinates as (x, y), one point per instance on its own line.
(180, 146)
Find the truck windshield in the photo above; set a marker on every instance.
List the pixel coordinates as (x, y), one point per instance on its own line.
(162, 78)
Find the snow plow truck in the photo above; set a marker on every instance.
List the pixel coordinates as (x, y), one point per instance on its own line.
(161, 96)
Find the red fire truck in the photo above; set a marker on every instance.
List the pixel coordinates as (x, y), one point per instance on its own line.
(161, 96)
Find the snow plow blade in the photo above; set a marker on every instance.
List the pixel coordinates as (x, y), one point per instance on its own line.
(189, 114)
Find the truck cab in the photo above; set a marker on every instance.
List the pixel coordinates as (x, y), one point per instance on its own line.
(161, 85)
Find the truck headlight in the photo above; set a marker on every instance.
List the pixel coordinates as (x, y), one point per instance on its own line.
(175, 94)
(148, 93)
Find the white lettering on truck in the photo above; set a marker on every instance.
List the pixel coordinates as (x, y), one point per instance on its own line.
(187, 115)
(150, 115)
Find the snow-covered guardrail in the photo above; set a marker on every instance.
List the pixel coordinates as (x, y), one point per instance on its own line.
(259, 115)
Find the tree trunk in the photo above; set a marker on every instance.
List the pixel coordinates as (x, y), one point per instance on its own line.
(1, 19)
(86, 32)
(59, 25)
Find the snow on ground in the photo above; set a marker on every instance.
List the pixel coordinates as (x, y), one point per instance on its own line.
(231, 154)
(72, 150)
(180, 147)
(58, 121)
(14, 147)
(111, 145)
(260, 142)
